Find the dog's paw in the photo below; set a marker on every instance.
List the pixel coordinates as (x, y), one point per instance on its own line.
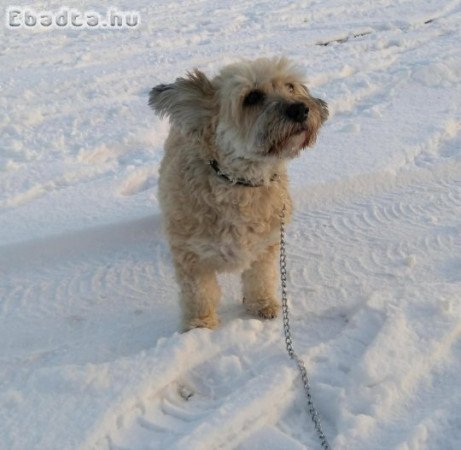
(265, 309)
(210, 322)
(269, 312)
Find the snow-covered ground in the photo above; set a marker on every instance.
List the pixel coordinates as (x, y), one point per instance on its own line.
(90, 356)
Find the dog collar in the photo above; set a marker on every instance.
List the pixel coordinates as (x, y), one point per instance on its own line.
(238, 181)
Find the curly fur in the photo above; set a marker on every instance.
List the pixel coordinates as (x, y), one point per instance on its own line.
(214, 226)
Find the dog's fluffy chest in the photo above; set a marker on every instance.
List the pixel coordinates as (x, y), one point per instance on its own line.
(235, 246)
(238, 233)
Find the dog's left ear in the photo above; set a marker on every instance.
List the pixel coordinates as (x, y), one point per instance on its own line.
(189, 102)
(323, 108)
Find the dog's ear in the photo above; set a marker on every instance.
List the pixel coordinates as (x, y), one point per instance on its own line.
(189, 102)
(323, 108)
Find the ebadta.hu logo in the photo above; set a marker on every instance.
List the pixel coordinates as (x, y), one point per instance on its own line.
(18, 17)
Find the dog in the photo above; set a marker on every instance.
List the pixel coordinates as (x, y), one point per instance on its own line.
(223, 178)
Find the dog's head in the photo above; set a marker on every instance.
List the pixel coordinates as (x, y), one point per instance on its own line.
(257, 109)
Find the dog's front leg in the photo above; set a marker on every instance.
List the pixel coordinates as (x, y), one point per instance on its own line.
(260, 285)
(199, 294)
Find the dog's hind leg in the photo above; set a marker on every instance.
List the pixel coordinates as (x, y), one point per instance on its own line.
(199, 294)
(260, 285)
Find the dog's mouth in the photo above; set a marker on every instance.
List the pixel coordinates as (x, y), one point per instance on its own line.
(291, 145)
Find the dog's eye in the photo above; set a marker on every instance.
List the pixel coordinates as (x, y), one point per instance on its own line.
(254, 97)
(290, 87)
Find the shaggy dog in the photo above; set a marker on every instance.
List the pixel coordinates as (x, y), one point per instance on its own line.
(223, 179)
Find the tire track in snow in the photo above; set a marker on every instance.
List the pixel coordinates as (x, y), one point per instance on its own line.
(218, 401)
(388, 228)
(169, 421)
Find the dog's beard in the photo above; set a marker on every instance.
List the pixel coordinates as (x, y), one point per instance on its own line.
(287, 143)
(283, 138)
(290, 145)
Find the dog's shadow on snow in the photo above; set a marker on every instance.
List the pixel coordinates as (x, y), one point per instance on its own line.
(84, 244)
(110, 290)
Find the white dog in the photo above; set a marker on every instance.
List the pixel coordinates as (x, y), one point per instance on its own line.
(223, 179)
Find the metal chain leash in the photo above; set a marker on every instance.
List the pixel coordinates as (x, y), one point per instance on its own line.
(289, 340)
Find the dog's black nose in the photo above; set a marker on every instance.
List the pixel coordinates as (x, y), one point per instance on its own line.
(297, 111)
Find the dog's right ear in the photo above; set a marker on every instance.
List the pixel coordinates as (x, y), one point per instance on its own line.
(189, 102)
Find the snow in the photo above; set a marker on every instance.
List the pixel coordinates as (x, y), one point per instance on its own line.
(90, 354)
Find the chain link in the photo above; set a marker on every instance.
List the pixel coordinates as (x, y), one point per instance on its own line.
(289, 340)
